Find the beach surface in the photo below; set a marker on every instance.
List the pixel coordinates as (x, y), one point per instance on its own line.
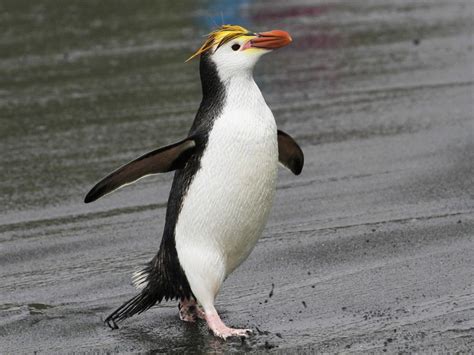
(370, 249)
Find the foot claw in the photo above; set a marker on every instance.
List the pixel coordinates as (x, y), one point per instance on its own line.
(217, 326)
(231, 332)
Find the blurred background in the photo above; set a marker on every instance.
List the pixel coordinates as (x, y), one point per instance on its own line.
(371, 248)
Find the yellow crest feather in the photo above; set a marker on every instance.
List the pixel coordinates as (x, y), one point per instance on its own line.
(220, 36)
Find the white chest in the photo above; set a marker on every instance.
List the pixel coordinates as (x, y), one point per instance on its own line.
(229, 199)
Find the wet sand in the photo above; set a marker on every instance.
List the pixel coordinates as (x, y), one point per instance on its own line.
(371, 249)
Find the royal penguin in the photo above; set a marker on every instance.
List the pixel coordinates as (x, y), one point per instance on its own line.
(224, 182)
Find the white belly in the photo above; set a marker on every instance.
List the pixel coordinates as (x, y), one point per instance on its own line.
(229, 199)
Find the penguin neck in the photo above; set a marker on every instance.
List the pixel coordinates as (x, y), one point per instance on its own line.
(213, 80)
(244, 95)
(241, 90)
(218, 90)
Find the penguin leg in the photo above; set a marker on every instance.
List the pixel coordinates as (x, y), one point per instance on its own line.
(217, 326)
(189, 310)
(205, 271)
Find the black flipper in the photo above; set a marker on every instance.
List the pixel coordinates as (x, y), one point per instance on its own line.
(161, 160)
(290, 153)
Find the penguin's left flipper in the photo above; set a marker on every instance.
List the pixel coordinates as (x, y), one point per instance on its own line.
(290, 153)
(161, 160)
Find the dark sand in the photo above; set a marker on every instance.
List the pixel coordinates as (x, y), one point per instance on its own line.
(370, 249)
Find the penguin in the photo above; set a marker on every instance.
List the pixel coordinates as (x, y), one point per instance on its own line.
(224, 182)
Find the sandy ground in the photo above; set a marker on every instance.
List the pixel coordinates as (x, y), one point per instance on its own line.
(371, 249)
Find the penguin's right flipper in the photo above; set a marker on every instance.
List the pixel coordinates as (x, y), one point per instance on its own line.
(161, 160)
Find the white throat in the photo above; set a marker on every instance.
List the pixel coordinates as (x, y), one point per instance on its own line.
(244, 96)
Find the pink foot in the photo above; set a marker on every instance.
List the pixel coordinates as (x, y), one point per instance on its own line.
(189, 310)
(221, 330)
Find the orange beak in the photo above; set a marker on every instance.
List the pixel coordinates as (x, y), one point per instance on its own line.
(271, 39)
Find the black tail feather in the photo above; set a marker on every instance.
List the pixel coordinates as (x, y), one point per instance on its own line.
(138, 304)
(164, 280)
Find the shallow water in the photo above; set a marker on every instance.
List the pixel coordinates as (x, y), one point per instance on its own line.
(371, 248)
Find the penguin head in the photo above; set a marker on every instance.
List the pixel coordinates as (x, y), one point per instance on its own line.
(235, 50)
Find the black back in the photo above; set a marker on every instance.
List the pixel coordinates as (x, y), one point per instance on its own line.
(165, 276)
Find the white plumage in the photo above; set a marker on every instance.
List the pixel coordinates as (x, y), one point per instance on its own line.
(237, 180)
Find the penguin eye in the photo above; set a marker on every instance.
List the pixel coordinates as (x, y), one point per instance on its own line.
(235, 47)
